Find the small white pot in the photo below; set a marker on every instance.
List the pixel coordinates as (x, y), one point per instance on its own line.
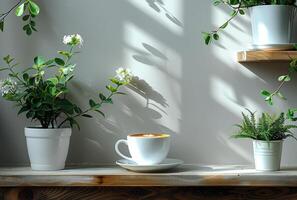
(47, 148)
(267, 155)
(272, 24)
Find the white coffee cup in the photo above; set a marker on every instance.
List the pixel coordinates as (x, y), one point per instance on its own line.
(146, 148)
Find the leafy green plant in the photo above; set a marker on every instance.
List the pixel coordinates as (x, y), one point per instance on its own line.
(267, 127)
(28, 10)
(283, 79)
(238, 7)
(44, 98)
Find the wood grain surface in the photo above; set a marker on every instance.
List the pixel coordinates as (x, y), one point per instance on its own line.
(149, 193)
(265, 56)
(186, 175)
(184, 183)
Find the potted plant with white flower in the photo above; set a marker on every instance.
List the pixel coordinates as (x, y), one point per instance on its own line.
(268, 134)
(272, 21)
(44, 99)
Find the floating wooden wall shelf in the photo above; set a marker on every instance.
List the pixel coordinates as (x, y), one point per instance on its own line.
(265, 56)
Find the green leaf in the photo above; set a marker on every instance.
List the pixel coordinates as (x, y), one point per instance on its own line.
(25, 27)
(26, 17)
(122, 93)
(8, 59)
(20, 10)
(100, 112)
(29, 31)
(109, 100)
(241, 12)
(23, 109)
(102, 97)
(33, 8)
(54, 80)
(110, 88)
(67, 106)
(216, 2)
(73, 122)
(92, 103)
(269, 100)
(77, 110)
(53, 91)
(233, 2)
(60, 61)
(295, 46)
(285, 78)
(265, 93)
(64, 53)
(224, 25)
(32, 23)
(216, 36)
(30, 114)
(206, 37)
(4, 68)
(38, 60)
(88, 116)
(34, 29)
(116, 81)
(2, 25)
(25, 76)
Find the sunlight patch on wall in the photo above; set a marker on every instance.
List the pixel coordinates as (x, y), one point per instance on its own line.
(158, 69)
(236, 147)
(246, 72)
(224, 94)
(251, 104)
(167, 12)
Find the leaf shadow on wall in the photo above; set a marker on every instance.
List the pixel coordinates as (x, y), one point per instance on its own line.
(99, 141)
(159, 6)
(203, 118)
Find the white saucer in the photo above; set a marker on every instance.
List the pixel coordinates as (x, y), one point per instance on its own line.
(272, 47)
(165, 165)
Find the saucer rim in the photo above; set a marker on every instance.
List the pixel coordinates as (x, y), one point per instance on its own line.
(176, 162)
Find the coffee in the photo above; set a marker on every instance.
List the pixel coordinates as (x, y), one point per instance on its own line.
(146, 148)
(149, 135)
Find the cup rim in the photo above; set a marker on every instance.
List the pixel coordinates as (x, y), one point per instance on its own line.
(159, 135)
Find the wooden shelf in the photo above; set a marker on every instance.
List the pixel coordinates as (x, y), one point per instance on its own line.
(186, 175)
(265, 56)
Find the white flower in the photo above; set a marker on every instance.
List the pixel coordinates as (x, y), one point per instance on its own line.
(69, 69)
(74, 39)
(124, 75)
(67, 39)
(8, 86)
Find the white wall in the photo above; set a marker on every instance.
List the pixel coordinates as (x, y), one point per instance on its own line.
(187, 89)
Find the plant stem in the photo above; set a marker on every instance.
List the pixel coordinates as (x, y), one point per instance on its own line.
(89, 109)
(16, 75)
(279, 87)
(230, 19)
(4, 15)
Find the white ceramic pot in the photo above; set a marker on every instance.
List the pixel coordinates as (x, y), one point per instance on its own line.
(267, 155)
(47, 148)
(272, 24)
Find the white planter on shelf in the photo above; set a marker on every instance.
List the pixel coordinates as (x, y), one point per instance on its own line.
(47, 148)
(272, 24)
(267, 155)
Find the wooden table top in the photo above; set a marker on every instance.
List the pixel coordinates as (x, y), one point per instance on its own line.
(185, 175)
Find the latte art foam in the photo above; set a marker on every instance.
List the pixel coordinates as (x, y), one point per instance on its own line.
(149, 135)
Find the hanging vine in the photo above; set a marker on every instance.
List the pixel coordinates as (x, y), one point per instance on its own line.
(27, 10)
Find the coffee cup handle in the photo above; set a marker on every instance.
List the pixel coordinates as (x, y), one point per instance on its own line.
(118, 151)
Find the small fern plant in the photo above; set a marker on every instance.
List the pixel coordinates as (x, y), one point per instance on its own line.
(267, 127)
